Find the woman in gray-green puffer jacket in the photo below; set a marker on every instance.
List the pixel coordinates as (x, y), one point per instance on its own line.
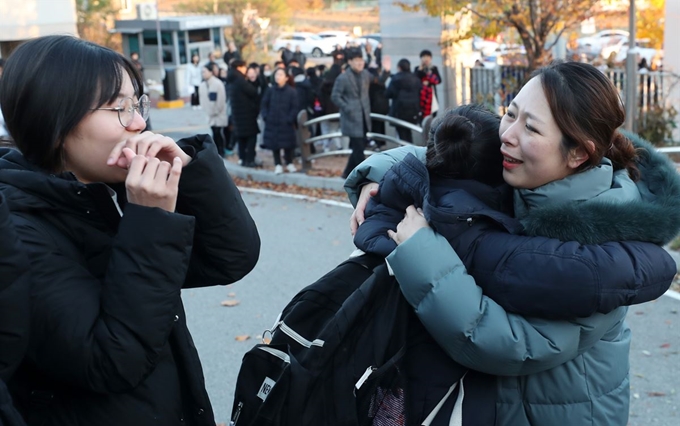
(549, 372)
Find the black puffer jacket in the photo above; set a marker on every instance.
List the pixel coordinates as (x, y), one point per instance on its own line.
(109, 339)
(245, 104)
(14, 296)
(404, 90)
(14, 311)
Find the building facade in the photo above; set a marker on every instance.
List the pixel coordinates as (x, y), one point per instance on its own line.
(21, 20)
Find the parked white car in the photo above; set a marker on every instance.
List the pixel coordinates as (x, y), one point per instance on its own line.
(373, 39)
(337, 37)
(621, 50)
(594, 45)
(310, 44)
(486, 47)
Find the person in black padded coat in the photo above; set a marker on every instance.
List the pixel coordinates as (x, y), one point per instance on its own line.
(15, 311)
(115, 222)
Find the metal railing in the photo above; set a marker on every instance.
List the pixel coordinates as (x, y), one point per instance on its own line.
(497, 87)
(305, 140)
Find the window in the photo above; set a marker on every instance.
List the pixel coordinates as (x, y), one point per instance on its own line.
(196, 36)
(182, 47)
(151, 40)
(217, 39)
(133, 43)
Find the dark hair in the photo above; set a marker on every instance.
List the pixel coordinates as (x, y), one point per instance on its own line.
(253, 65)
(464, 144)
(404, 65)
(425, 52)
(311, 72)
(209, 67)
(50, 84)
(586, 107)
(289, 78)
(238, 63)
(353, 52)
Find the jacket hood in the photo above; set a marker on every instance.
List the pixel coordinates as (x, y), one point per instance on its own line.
(654, 217)
(27, 188)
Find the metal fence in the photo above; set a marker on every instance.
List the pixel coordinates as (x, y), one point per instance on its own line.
(497, 87)
(305, 138)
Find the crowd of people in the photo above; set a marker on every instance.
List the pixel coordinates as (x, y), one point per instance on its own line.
(245, 107)
(103, 224)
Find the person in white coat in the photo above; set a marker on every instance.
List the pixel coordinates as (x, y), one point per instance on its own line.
(194, 80)
(213, 98)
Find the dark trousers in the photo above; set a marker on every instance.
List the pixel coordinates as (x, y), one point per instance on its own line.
(404, 134)
(287, 155)
(194, 97)
(378, 126)
(246, 148)
(357, 145)
(218, 137)
(230, 135)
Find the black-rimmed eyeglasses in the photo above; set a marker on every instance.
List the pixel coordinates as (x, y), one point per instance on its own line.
(126, 109)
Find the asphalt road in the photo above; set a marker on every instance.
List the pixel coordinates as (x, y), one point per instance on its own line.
(302, 240)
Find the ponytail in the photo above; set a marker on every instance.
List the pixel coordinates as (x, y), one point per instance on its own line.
(450, 146)
(623, 155)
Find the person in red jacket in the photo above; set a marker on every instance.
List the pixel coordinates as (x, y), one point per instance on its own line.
(430, 78)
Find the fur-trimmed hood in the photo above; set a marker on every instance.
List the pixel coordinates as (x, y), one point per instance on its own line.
(655, 217)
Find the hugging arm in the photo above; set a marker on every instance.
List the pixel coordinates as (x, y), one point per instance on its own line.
(599, 278)
(472, 328)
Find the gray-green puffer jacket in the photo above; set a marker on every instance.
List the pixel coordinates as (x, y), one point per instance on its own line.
(549, 372)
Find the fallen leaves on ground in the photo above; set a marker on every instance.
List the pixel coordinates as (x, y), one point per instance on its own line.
(656, 393)
(676, 283)
(229, 302)
(326, 194)
(242, 338)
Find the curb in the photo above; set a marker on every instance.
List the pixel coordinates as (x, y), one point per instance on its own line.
(299, 179)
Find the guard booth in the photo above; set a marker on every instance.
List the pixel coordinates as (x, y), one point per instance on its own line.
(181, 37)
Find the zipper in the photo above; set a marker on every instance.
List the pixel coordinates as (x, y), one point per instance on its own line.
(236, 416)
(298, 338)
(469, 220)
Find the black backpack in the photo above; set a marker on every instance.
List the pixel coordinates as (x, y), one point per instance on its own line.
(334, 357)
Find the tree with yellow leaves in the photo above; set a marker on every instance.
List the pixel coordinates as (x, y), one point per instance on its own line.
(539, 23)
(650, 22)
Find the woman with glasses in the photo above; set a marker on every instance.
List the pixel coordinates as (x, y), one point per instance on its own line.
(115, 223)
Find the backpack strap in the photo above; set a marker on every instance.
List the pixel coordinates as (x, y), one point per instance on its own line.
(457, 413)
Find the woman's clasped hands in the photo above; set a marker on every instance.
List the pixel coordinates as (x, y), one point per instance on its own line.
(154, 163)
